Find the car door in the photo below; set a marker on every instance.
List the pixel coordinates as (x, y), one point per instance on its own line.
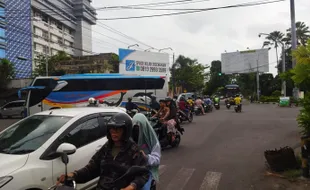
(17, 108)
(88, 135)
(7, 109)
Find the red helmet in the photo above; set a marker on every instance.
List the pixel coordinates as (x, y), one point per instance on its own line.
(101, 101)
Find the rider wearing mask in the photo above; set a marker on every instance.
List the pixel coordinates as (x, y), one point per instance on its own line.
(92, 102)
(121, 150)
(199, 103)
(145, 136)
(130, 105)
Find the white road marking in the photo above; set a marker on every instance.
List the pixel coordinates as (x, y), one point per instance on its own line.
(180, 179)
(211, 181)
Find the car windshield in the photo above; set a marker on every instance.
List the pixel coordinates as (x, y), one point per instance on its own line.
(29, 134)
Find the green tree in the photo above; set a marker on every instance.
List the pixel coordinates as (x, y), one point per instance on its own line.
(216, 78)
(273, 39)
(41, 61)
(189, 73)
(302, 34)
(6, 73)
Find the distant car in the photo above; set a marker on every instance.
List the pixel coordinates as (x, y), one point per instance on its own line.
(28, 148)
(186, 95)
(13, 109)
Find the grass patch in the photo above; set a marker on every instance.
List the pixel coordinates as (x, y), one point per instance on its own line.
(292, 174)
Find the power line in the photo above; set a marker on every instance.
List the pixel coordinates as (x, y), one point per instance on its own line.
(158, 4)
(196, 11)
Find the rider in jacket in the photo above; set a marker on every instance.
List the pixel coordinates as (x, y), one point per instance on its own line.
(120, 150)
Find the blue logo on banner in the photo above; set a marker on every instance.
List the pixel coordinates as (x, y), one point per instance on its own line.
(130, 65)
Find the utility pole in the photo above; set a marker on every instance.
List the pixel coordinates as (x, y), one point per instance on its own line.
(294, 40)
(283, 70)
(46, 64)
(257, 80)
(174, 88)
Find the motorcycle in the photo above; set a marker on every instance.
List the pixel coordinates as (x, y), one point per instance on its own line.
(238, 108)
(69, 183)
(132, 112)
(198, 110)
(217, 106)
(208, 108)
(183, 117)
(163, 137)
(120, 183)
(228, 105)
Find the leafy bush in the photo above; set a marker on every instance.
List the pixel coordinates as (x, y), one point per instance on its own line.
(303, 118)
(276, 93)
(269, 99)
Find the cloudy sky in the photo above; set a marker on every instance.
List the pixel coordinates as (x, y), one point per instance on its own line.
(203, 36)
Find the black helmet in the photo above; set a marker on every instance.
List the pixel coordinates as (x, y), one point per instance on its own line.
(129, 98)
(162, 100)
(168, 99)
(120, 120)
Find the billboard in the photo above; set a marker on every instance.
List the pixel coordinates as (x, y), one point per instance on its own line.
(133, 62)
(143, 63)
(245, 61)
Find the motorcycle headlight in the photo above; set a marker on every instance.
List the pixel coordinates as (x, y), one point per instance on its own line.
(4, 180)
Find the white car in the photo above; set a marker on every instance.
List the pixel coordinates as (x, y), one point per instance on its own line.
(28, 148)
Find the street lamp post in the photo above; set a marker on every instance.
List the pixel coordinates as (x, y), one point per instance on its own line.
(149, 49)
(173, 68)
(283, 86)
(133, 45)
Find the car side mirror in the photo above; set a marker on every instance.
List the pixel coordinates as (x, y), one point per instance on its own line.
(66, 148)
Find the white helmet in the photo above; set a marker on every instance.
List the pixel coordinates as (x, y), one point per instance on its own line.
(91, 100)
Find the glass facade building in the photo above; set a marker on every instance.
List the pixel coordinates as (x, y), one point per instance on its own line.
(2, 30)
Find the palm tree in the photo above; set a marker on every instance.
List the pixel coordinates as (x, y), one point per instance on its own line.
(273, 39)
(302, 34)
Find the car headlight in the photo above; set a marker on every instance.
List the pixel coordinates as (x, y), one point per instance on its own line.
(4, 180)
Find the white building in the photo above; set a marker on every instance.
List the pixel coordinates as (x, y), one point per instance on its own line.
(62, 25)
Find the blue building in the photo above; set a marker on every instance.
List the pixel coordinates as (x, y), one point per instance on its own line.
(2, 30)
(19, 36)
(36, 27)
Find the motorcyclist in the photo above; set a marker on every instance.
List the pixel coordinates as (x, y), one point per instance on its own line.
(130, 105)
(199, 103)
(92, 102)
(144, 135)
(120, 149)
(190, 101)
(216, 99)
(173, 113)
(238, 100)
(208, 100)
(183, 106)
(154, 104)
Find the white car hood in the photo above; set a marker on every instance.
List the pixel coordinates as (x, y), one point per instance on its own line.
(10, 163)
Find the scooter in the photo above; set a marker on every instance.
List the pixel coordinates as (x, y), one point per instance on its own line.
(197, 110)
(132, 112)
(238, 108)
(69, 183)
(183, 117)
(208, 108)
(161, 132)
(217, 106)
(228, 105)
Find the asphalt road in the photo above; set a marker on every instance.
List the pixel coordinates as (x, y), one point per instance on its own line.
(4, 123)
(224, 150)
